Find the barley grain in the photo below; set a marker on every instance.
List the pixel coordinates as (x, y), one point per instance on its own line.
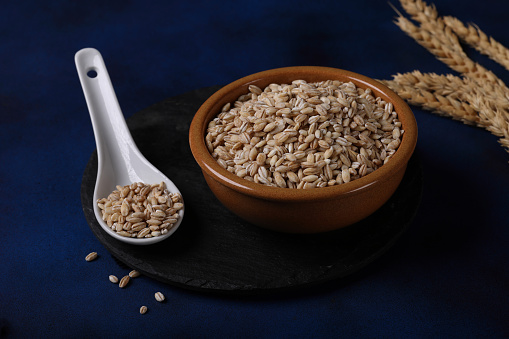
(124, 281)
(124, 234)
(159, 296)
(132, 210)
(91, 256)
(134, 274)
(287, 132)
(144, 232)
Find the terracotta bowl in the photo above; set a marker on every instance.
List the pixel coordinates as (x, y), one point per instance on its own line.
(298, 210)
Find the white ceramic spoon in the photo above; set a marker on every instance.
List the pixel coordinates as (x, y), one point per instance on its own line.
(119, 160)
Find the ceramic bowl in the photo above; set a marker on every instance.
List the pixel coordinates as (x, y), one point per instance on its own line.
(302, 210)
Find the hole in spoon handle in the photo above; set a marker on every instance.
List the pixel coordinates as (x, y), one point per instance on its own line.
(92, 73)
(113, 139)
(107, 118)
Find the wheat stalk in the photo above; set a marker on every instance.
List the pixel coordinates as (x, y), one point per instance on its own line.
(429, 20)
(438, 38)
(479, 97)
(459, 98)
(456, 87)
(477, 39)
(493, 117)
(432, 100)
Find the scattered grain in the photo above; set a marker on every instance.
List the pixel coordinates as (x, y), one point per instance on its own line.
(134, 274)
(91, 256)
(159, 297)
(124, 281)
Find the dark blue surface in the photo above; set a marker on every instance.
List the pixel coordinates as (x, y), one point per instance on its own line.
(448, 276)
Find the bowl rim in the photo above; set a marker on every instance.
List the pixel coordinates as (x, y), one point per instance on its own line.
(216, 101)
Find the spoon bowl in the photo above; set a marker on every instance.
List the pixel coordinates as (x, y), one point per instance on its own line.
(119, 160)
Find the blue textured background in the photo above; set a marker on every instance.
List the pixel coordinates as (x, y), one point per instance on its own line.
(448, 276)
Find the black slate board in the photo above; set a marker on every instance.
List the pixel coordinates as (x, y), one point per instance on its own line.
(214, 250)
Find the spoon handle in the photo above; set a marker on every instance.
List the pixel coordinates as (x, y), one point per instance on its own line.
(113, 139)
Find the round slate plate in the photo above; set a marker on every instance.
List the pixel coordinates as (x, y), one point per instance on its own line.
(214, 250)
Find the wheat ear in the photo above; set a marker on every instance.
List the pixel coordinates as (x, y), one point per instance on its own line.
(494, 118)
(412, 88)
(479, 97)
(456, 87)
(459, 98)
(438, 38)
(477, 39)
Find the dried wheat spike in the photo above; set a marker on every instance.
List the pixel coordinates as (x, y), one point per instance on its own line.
(459, 98)
(480, 97)
(477, 39)
(438, 38)
(429, 20)
(495, 118)
(456, 87)
(430, 100)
